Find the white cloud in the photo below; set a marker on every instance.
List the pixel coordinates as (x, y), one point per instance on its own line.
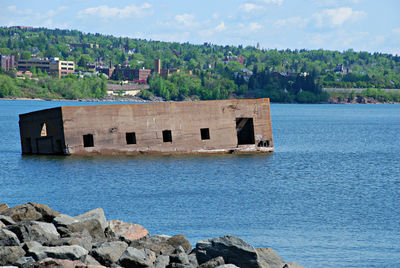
(339, 40)
(13, 9)
(220, 27)
(248, 7)
(206, 33)
(277, 2)
(396, 30)
(112, 12)
(52, 13)
(292, 22)
(186, 19)
(254, 26)
(171, 37)
(379, 39)
(338, 16)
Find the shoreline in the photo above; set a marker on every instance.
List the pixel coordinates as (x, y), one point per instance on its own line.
(158, 99)
(34, 235)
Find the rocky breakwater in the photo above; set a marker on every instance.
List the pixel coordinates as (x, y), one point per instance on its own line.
(34, 235)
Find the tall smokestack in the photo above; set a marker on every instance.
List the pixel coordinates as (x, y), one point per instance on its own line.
(157, 66)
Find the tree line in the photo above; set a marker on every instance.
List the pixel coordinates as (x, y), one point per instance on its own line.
(211, 71)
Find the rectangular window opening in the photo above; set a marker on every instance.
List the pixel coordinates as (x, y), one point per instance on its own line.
(167, 136)
(88, 140)
(245, 131)
(130, 138)
(205, 133)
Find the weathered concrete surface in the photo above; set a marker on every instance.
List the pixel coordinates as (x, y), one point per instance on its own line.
(109, 125)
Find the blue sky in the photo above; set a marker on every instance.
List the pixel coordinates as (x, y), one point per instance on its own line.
(363, 25)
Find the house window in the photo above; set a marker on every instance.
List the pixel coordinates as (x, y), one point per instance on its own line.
(130, 138)
(205, 133)
(88, 140)
(167, 136)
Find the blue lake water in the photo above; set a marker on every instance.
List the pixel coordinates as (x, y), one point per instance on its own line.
(329, 196)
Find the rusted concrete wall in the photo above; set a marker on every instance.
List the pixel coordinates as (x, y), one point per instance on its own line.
(41, 132)
(109, 124)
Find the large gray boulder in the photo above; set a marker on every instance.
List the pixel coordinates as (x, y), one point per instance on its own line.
(6, 220)
(180, 240)
(8, 238)
(9, 255)
(213, 263)
(95, 214)
(93, 221)
(126, 231)
(53, 262)
(31, 212)
(181, 258)
(41, 232)
(268, 258)
(25, 262)
(158, 244)
(62, 252)
(234, 250)
(84, 240)
(133, 257)
(162, 261)
(109, 252)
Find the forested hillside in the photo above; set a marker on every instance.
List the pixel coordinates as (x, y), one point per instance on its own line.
(207, 71)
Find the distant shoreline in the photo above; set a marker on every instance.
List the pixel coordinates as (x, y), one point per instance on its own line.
(133, 99)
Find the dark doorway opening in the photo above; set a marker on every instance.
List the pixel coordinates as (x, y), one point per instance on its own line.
(245, 131)
(130, 138)
(167, 136)
(205, 133)
(88, 140)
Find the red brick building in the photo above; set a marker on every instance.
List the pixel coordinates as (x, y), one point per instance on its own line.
(7, 62)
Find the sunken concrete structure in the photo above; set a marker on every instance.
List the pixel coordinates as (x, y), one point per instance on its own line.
(220, 126)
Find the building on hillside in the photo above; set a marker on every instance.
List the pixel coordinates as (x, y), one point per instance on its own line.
(62, 68)
(340, 68)
(228, 59)
(163, 72)
(84, 45)
(157, 66)
(220, 126)
(133, 74)
(52, 66)
(7, 62)
(105, 70)
(22, 27)
(167, 72)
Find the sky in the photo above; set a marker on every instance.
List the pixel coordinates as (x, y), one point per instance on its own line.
(361, 25)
